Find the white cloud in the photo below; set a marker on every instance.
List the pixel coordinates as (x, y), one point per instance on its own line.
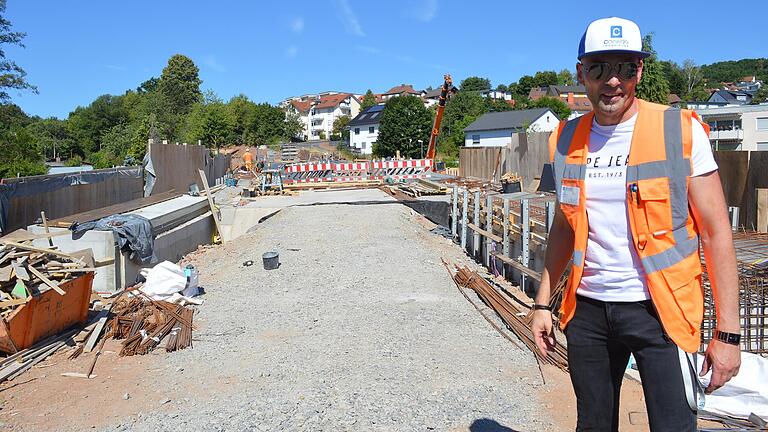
(297, 25)
(213, 63)
(349, 19)
(423, 10)
(291, 51)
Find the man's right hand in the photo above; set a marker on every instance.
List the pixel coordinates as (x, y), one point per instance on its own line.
(543, 334)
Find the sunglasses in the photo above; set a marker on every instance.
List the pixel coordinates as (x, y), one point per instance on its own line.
(602, 71)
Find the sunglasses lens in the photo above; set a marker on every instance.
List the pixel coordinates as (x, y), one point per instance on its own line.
(596, 71)
(627, 70)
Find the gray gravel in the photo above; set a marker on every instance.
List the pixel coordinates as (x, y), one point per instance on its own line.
(359, 329)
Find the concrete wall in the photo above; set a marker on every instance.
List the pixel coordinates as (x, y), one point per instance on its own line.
(22, 199)
(525, 155)
(753, 136)
(176, 166)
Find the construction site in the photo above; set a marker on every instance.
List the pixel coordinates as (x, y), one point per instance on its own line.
(295, 290)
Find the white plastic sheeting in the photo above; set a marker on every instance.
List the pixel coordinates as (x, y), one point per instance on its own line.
(167, 281)
(745, 393)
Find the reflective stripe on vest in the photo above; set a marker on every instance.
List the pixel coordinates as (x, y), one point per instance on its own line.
(660, 189)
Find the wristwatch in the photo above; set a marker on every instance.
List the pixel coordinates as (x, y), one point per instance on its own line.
(729, 338)
(537, 306)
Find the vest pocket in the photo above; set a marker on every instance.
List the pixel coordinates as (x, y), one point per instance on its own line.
(654, 202)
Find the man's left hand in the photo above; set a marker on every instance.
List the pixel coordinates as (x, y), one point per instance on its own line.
(724, 360)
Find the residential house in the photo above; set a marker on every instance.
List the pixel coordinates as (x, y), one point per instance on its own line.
(402, 90)
(432, 97)
(575, 96)
(730, 97)
(364, 129)
(741, 127)
(318, 111)
(495, 129)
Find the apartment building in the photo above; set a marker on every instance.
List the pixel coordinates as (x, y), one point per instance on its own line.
(317, 112)
(743, 127)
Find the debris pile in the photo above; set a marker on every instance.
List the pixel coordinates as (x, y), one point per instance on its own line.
(142, 323)
(26, 270)
(422, 187)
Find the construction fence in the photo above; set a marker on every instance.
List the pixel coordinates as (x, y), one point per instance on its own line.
(525, 155)
(168, 168)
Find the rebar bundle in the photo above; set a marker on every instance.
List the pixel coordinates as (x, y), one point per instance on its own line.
(515, 316)
(143, 323)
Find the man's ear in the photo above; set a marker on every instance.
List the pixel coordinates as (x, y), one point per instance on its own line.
(579, 71)
(639, 70)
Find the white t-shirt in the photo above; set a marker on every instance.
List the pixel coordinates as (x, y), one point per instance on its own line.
(612, 269)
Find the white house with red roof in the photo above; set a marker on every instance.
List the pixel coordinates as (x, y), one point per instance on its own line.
(317, 112)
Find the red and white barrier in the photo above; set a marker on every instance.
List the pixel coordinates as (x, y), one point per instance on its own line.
(356, 171)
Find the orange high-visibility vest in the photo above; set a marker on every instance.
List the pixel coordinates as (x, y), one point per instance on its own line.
(663, 231)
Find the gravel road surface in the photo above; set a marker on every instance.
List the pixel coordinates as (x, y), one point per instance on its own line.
(360, 328)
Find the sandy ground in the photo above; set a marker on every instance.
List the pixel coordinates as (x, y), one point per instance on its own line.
(360, 328)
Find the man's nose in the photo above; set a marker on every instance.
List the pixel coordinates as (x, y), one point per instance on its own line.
(613, 81)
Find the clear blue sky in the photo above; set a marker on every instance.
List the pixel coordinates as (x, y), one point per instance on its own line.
(77, 50)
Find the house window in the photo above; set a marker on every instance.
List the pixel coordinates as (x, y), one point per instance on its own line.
(762, 123)
(762, 146)
(362, 146)
(371, 129)
(357, 131)
(476, 139)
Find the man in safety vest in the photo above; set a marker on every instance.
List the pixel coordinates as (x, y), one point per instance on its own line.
(248, 159)
(637, 189)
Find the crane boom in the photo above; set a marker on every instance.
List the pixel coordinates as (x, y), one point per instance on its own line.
(445, 92)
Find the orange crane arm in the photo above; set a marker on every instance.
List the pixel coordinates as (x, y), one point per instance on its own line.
(446, 90)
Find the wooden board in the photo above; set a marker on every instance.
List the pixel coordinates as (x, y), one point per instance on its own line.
(506, 260)
(204, 179)
(102, 320)
(46, 281)
(66, 221)
(37, 249)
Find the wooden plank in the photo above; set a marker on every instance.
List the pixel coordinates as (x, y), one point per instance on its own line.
(37, 249)
(23, 235)
(532, 273)
(102, 320)
(5, 273)
(204, 179)
(481, 232)
(47, 230)
(762, 210)
(14, 302)
(46, 281)
(123, 207)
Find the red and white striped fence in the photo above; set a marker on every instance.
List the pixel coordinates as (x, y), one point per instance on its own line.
(356, 171)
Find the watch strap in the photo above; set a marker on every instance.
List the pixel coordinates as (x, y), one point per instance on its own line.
(729, 338)
(537, 306)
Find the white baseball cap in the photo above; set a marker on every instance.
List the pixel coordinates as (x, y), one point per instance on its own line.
(612, 35)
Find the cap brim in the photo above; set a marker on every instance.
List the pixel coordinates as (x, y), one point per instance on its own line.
(641, 54)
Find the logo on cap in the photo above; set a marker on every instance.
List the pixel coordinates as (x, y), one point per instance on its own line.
(615, 31)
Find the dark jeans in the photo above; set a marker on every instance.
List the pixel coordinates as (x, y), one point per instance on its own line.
(601, 336)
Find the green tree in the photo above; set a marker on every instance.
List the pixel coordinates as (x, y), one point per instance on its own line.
(761, 95)
(462, 109)
(501, 87)
(653, 87)
(545, 78)
(52, 139)
(340, 131)
(12, 116)
(474, 83)
(565, 78)
(404, 122)
(180, 84)
(19, 154)
(12, 76)
(87, 125)
(734, 70)
(368, 101)
(210, 124)
(675, 79)
(557, 106)
(294, 128)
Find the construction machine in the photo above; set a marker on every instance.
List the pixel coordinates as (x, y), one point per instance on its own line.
(445, 92)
